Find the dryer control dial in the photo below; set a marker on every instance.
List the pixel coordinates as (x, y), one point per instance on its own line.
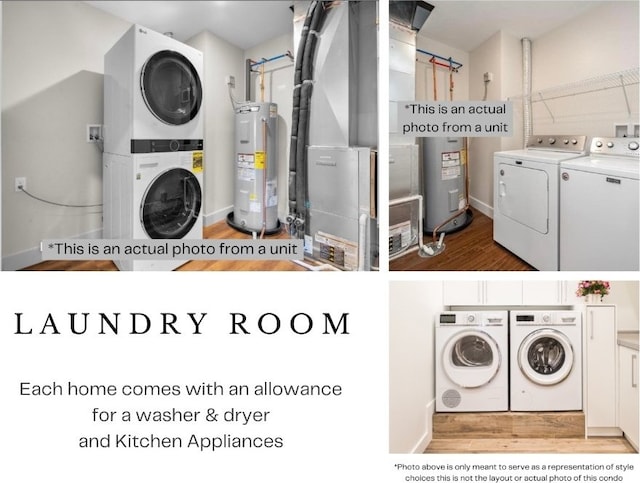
(471, 318)
(546, 318)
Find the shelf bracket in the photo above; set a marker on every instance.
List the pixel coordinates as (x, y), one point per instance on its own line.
(624, 91)
(546, 106)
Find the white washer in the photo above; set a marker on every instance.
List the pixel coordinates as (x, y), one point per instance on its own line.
(153, 196)
(153, 94)
(472, 362)
(546, 360)
(599, 207)
(525, 201)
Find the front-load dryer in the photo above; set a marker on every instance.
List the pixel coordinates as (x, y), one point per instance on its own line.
(525, 201)
(546, 360)
(153, 196)
(153, 94)
(472, 361)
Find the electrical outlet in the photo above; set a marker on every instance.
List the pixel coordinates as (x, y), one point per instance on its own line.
(488, 76)
(94, 133)
(21, 184)
(230, 80)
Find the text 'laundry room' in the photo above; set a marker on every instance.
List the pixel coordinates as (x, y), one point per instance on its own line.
(560, 191)
(134, 122)
(513, 366)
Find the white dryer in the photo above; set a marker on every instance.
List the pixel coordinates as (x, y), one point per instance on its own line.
(546, 360)
(153, 196)
(472, 361)
(152, 94)
(600, 207)
(525, 201)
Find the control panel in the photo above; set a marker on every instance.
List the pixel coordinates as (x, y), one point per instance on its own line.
(569, 143)
(616, 146)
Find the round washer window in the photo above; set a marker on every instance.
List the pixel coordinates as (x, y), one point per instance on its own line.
(171, 87)
(171, 204)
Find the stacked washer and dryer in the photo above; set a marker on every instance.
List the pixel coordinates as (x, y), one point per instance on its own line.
(153, 142)
(524, 360)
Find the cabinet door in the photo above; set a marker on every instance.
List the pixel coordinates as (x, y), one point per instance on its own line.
(628, 400)
(601, 367)
(503, 293)
(568, 293)
(462, 292)
(541, 292)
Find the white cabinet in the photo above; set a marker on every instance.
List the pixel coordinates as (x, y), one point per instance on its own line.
(601, 361)
(482, 292)
(550, 292)
(628, 399)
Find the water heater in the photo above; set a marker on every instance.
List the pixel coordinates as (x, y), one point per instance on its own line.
(444, 165)
(256, 194)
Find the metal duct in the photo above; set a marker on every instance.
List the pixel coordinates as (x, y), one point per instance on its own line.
(412, 15)
(526, 90)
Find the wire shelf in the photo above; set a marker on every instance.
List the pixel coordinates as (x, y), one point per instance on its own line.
(615, 80)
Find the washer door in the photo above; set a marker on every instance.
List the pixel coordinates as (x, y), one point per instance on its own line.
(171, 87)
(546, 357)
(471, 358)
(171, 204)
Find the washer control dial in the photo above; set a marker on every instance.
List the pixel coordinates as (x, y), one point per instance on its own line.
(633, 146)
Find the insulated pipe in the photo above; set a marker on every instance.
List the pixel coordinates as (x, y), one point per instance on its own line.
(247, 82)
(526, 90)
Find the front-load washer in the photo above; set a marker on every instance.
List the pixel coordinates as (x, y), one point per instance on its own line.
(153, 196)
(525, 200)
(472, 361)
(153, 94)
(545, 360)
(599, 207)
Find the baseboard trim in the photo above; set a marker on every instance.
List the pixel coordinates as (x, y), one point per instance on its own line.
(426, 438)
(33, 255)
(217, 216)
(481, 206)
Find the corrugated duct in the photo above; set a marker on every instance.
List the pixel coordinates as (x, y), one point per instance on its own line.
(526, 90)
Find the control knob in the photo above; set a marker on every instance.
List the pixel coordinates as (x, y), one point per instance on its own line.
(599, 144)
(566, 141)
(633, 145)
(609, 144)
(471, 318)
(546, 318)
(552, 141)
(574, 141)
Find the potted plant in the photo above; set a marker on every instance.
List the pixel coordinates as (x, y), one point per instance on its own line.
(593, 290)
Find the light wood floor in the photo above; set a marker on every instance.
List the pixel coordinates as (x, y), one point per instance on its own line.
(470, 249)
(518, 432)
(531, 445)
(218, 230)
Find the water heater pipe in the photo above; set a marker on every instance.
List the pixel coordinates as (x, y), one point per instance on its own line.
(264, 178)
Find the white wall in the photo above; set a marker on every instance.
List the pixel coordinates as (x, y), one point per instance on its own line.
(278, 88)
(412, 309)
(500, 55)
(52, 88)
(625, 295)
(574, 52)
(221, 59)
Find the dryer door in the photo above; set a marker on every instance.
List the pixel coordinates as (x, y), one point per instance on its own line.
(471, 358)
(171, 87)
(171, 204)
(546, 357)
(523, 195)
